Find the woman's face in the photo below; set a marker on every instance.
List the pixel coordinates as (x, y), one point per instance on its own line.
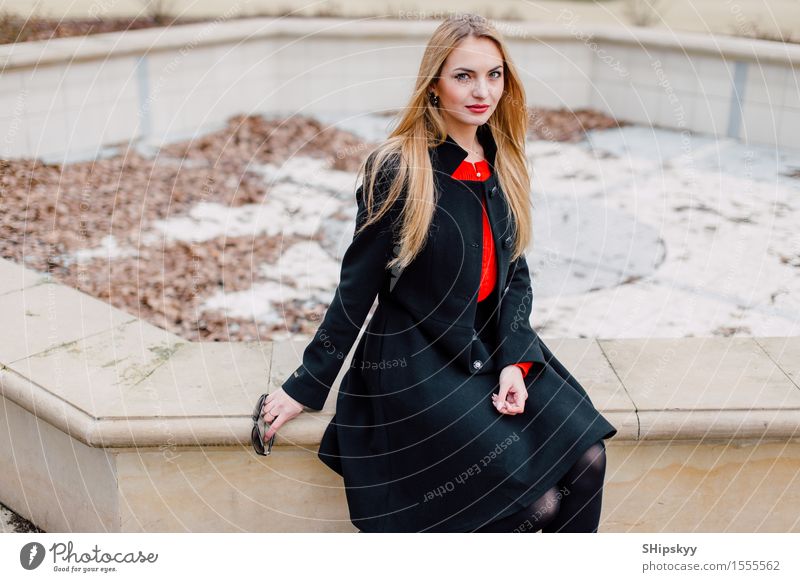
(471, 75)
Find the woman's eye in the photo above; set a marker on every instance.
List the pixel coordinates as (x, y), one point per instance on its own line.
(465, 76)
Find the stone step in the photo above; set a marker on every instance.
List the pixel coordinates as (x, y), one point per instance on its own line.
(112, 424)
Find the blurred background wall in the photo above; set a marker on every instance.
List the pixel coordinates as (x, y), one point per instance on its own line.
(741, 17)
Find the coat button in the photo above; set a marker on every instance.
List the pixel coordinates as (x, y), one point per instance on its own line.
(507, 242)
(475, 244)
(477, 364)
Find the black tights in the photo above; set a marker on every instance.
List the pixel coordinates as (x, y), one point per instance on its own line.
(571, 506)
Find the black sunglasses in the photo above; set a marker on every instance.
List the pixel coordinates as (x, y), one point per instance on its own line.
(260, 427)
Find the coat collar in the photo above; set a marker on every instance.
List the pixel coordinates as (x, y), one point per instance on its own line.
(448, 155)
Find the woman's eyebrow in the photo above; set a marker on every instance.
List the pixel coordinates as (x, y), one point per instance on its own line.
(471, 71)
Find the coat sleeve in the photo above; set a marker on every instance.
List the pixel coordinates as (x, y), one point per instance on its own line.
(518, 342)
(363, 271)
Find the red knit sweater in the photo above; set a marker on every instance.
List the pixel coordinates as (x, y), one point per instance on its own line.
(480, 171)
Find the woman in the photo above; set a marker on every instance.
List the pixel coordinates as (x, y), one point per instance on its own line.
(453, 416)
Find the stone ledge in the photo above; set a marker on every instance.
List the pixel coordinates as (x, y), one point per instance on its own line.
(112, 424)
(108, 379)
(144, 41)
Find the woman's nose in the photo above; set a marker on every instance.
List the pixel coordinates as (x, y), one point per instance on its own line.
(479, 89)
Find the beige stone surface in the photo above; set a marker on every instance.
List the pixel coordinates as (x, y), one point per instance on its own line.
(48, 315)
(52, 479)
(713, 388)
(14, 277)
(230, 490)
(785, 352)
(106, 374)
(741, 486)
(213, 378)
(138, 384)
(587, 363)
(700, 374)
(744, 486)
(137, 370)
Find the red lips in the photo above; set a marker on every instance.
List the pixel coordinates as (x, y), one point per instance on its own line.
(477, 108)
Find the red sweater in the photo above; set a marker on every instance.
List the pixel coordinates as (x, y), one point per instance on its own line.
(480, 171)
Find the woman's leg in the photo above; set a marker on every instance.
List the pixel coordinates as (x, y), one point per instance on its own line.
(528, 520)
(583, 493)
(572, 506)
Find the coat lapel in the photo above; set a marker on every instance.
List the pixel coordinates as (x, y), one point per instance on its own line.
(445, 158)
(448, 155)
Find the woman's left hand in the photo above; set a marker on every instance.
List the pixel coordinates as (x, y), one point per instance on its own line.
(513, 393)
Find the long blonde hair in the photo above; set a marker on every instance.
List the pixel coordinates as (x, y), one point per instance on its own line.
(422, 125)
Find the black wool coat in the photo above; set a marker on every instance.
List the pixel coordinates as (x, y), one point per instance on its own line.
(415, 434)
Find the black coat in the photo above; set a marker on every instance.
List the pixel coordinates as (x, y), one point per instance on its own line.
(415, 434)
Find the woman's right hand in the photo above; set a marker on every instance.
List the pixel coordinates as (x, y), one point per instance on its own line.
(279, 408)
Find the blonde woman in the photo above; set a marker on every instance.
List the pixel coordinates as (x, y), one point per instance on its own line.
(453, 416)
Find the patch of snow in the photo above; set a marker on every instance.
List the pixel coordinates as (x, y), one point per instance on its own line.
(288, 210)
(305, 271)
(108, 249)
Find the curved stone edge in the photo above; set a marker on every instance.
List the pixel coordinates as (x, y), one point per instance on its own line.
(146, 432)
(774, 413)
